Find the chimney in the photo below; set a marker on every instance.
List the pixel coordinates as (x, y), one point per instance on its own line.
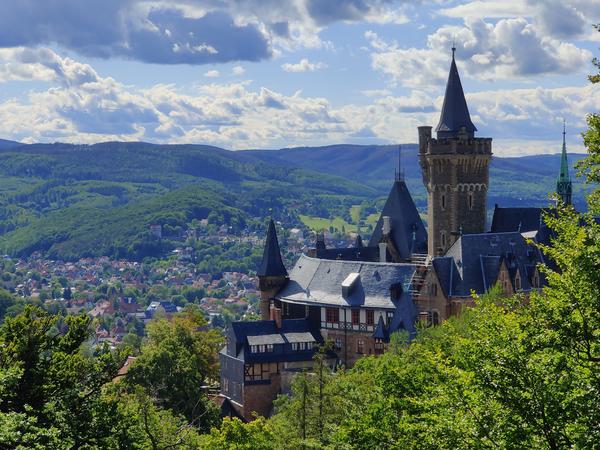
(382, 252)
(387, 225)
(276, 315)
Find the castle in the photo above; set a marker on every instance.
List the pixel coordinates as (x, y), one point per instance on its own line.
(354, 298)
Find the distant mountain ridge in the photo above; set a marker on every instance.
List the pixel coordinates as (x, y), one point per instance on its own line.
(83, 200)
(374, 165)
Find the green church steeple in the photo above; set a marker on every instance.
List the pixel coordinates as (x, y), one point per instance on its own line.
(564, 187)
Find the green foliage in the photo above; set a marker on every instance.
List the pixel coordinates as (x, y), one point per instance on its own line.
(113, 192)
(177, 359)
(49, 389)
(306, 418)
(235, 435)
(590, 166)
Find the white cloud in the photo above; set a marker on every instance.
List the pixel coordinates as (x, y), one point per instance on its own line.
(212, 74)
(238, 71)
(508, 49)
(303, 66)
(82, 106)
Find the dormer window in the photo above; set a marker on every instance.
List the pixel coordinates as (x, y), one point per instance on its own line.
(300, 346)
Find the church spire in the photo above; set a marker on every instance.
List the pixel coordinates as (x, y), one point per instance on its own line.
(455, 113)
(564, 187)
(272, 264)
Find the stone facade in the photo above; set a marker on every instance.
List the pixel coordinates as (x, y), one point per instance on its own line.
(456, 174)
(269, 286)
(352, 345)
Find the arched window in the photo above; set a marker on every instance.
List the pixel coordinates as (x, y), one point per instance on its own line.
(435, 317)
(443, 238)
(470, 201)
(443, 200)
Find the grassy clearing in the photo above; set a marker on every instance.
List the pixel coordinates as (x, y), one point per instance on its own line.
(320, 223)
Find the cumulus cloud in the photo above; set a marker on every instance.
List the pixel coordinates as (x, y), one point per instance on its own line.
(557, 18)
(303, 66)
(238, 71)
(181, 31)
(506, 49)
(82, 106)
(212, 74)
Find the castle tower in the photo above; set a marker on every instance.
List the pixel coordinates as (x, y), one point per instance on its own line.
(271, 273)
(455, 169)
(564, 187)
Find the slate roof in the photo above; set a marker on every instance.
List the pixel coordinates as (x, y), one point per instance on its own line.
(518, 219)
(319, 282)
(266, 332)
(408, 232)
(445, 268)
(455, 112)
(381, 331)
(349, 254)
(476, 260)
(272, 264)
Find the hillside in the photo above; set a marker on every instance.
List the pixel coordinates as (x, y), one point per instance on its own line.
(78, 200)
(374, 165)
(71, 201)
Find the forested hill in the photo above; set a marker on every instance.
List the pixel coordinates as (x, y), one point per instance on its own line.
(516, 181)
(78, 200)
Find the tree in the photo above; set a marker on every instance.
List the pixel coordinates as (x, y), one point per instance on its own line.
(235, 435)
(305, 419)
(177, 359)
(50, 391)
(6, 301)
(590, 166)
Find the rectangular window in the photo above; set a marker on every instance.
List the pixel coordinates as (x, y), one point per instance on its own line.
(302, 346)
(360, 346)
(355, 316)
(338, 343)
(269, 348)
(379, 347)
(332, 315)
(370, 318)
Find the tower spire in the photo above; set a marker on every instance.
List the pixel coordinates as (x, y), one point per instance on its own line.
(564, 187)
(272, 264)
(399, 171)
(455, 113)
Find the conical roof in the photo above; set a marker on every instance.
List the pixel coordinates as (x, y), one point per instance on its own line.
(408, 232)
(455, 112)
(272, 264)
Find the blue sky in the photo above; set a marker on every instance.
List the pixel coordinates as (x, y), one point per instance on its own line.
(282, 73)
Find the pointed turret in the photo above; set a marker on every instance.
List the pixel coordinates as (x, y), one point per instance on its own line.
(272, 275)
(455, 113)
(564, 187)
(272, 264)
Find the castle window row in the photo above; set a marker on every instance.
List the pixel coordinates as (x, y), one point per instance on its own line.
(355, 319)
